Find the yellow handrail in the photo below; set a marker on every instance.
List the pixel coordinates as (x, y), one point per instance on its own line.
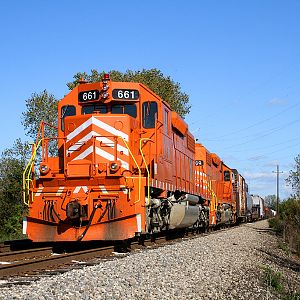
(27, 172)
(147, 169)
(214, 197)
(140, 172)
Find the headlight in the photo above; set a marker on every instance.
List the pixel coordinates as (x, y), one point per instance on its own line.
(105, 87)
(44, 169)
(114, 166)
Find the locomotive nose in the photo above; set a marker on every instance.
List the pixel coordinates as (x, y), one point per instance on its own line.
(98, 145)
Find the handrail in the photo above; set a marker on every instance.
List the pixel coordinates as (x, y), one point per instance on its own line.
(140, 172)
(26, 177)
(214, 196)
(147, 169)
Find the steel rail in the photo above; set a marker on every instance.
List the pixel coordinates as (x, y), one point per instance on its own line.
(25, 254)
(34, 265)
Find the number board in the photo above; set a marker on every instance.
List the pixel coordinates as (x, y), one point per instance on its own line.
(125, 94)
(198, 163)
(88, 96)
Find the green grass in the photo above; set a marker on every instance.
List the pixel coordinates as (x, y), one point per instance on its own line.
(284, 247)
(277, 282)
(273, 278)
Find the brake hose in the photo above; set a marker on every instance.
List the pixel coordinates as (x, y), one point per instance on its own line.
(91, 219)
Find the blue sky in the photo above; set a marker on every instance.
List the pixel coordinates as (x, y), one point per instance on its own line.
(237, 60)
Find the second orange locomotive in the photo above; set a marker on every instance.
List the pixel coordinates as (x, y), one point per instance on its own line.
(127, 165)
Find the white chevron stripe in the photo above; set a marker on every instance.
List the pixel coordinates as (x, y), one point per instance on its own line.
(110, 157)
(98, 138)
(39, 191)
(59, 191)
(84, 154)
(79, 129)
(124, 189)
(77, 189)
(103, 154)
(100, 124)
(110, 129)
(103, 189)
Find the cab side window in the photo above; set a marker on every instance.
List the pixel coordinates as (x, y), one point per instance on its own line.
(226, 176)
(149, 114)
(166, 122)
(66, 111)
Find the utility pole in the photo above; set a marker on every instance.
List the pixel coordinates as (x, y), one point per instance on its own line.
(277, 198)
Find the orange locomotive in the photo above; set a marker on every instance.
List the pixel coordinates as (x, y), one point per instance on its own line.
(126, 166)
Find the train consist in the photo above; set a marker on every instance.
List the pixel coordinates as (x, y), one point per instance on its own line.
(127, 166)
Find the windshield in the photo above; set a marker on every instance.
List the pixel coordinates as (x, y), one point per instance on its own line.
(102, 109)
(128, 109)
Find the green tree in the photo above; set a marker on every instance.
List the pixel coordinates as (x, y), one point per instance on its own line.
(271, 201)
(12, 163)
(294, 177)
(41, 107)
(154, 79)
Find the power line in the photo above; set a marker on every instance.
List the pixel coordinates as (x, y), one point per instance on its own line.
(270, 146)
(264, 135)
(252, 91)
(253, 125)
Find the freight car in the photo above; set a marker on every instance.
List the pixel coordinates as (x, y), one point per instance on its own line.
(256, 208)
(127, 166)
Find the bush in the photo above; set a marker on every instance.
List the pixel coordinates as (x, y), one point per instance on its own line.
(277, 224)
(287, 224)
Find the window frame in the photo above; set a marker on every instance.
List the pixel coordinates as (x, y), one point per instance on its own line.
(227, 178)
(153, 116)
(63, 115)
(166, 122)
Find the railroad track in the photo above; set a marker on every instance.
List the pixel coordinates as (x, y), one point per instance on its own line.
(4, 248)
(49, 261)
(12, 256)
(36, 261)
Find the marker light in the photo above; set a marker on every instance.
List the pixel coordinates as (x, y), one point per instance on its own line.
(106, 76)
(105, 87)
(105, 95)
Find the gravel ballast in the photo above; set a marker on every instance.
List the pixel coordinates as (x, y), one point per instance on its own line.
(225, 265)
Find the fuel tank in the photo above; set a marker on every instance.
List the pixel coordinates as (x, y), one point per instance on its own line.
(183, 215)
